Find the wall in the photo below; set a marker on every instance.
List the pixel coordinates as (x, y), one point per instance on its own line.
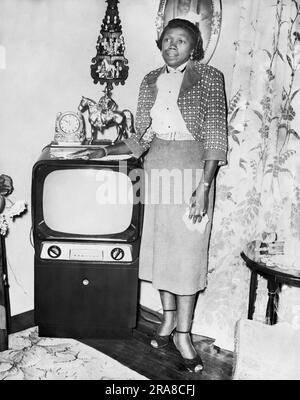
(48, 48)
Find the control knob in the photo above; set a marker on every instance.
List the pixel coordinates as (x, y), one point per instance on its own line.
(117, 253)
(54, 251)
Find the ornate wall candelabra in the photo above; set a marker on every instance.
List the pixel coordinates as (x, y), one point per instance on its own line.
(109, 66)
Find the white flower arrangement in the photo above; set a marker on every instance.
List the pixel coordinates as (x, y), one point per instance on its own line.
(8, 208)
(3, 225)
(16, 208)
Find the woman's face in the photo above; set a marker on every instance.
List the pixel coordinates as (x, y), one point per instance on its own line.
(177, 45)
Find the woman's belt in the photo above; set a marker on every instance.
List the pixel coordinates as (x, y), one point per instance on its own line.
(175, 136)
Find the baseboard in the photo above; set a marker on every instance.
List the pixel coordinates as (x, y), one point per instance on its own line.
(25, 320)
(150, 315)
(21, 321)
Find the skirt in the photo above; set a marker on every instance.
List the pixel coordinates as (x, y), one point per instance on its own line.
(173, 255)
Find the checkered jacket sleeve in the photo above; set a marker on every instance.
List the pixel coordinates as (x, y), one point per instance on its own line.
(140, 141)
(215, 122)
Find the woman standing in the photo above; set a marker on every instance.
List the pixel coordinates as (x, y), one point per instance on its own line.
(181, 122)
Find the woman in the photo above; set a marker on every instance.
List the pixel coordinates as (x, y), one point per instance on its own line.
(181, 121)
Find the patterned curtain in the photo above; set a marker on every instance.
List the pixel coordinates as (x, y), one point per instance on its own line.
(259, 190)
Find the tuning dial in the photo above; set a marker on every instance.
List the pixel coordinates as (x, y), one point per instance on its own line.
(54, 251)
(117, 253)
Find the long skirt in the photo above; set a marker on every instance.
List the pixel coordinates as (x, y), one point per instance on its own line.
(173, 254)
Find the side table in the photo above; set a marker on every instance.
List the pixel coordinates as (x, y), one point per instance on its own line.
(275, 278)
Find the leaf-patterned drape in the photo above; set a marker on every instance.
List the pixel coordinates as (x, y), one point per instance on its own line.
(259, 190)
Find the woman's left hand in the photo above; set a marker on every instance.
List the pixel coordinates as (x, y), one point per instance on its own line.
(87, 154)
(199, 203)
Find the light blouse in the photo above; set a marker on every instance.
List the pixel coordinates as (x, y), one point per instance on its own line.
(167, 120)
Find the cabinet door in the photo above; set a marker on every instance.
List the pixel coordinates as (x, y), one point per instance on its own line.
(72, 294)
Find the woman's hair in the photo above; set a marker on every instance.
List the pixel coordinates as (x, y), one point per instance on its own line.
(192, 30)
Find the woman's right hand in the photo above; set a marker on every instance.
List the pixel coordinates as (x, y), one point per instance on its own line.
(87, 154)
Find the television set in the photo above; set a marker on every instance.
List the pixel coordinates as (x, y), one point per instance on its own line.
(87, 221)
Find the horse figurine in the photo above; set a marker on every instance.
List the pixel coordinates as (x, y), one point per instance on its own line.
(104, 114)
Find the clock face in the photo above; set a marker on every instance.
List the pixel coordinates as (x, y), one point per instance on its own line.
(69, 123)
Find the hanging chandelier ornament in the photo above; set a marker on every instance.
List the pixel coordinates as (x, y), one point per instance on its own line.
(109, 66)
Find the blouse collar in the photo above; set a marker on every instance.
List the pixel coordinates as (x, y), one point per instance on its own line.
(181, 68)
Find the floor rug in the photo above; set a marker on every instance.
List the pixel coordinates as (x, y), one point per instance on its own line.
(31, 357)
(266, 352)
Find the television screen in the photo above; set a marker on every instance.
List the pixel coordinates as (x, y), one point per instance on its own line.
(87, 201)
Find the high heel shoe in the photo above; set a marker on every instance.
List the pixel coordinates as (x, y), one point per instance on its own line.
(159, 341)
(191, 364)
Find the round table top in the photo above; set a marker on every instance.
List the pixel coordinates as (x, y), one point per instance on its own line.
(291, 277)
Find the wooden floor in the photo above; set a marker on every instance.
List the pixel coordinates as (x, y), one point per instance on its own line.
(164, 364)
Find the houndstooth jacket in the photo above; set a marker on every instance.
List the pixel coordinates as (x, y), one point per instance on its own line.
(202, 104)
